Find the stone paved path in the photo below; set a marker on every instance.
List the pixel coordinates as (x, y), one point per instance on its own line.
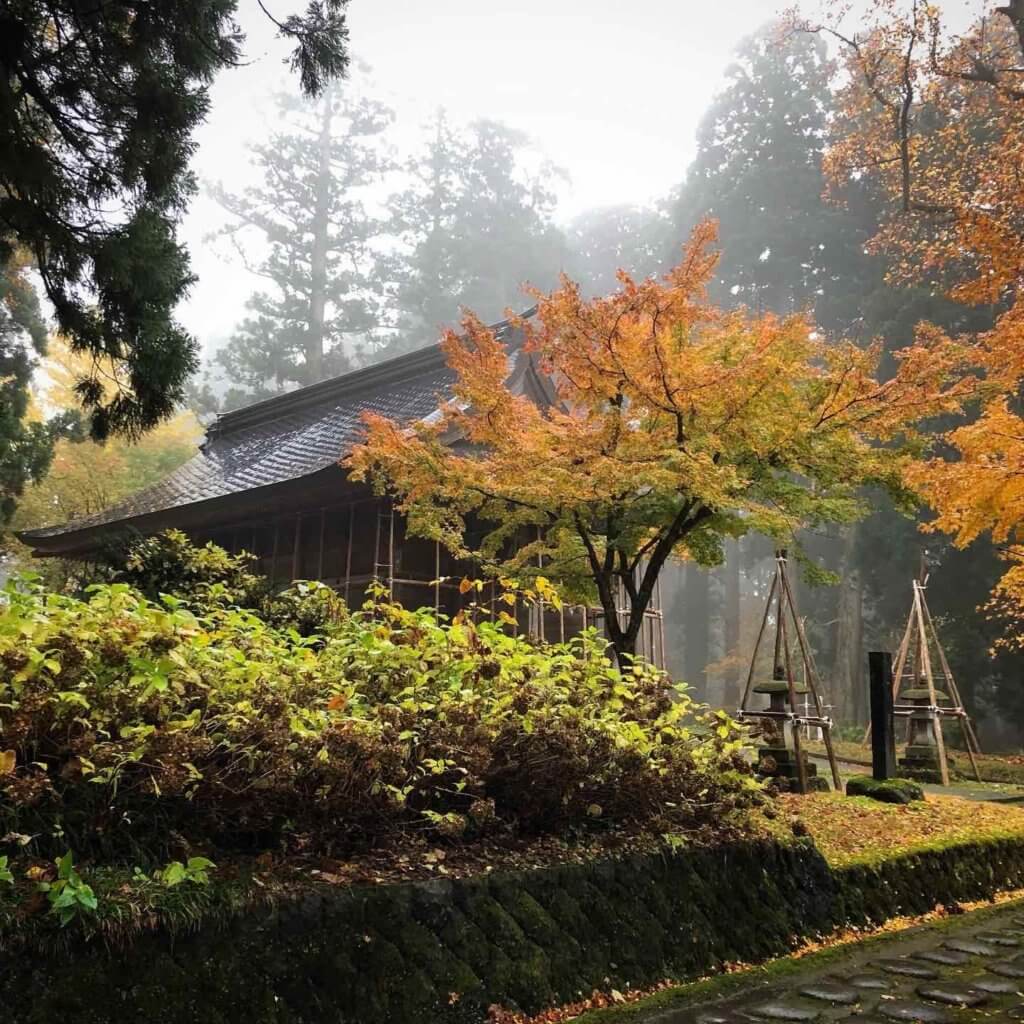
(968, 973)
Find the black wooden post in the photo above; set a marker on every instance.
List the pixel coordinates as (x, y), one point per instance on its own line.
(883, 736)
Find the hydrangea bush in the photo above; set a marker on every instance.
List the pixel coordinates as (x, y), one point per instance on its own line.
(131, 728)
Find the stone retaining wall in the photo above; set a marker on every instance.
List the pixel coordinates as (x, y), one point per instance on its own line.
(441, 952)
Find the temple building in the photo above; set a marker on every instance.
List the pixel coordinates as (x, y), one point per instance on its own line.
(267, 479)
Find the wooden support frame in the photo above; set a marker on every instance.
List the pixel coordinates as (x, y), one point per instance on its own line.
(919, 636)
(780, 596)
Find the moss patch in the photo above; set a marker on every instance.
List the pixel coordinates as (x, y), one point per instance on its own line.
(888, 791)
(857, 830)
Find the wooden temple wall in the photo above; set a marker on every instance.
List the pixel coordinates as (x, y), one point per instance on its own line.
(350, 545)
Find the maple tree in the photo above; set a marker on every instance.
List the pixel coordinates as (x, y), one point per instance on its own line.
(936, 120)
(670, 425)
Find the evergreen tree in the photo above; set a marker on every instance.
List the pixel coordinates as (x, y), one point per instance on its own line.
(475, 223)
(97, 112)
(25, 448)
(613, 238)
(758, 171)
(326, 290)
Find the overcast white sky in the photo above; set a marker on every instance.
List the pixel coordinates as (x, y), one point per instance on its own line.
(611, 91)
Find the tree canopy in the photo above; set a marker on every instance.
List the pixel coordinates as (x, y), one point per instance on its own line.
(325, 289)
(937, 119)
(98, 107)
(671, 426)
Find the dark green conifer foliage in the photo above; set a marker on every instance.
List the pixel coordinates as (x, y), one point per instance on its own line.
(475, 221)
(758, 172)
(613, 238)
(98, 105)
(311, 215)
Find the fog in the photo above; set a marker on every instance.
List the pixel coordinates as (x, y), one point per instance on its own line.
(613, 100)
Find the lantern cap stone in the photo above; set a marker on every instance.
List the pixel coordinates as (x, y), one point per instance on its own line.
(778, 686)
(921, 693)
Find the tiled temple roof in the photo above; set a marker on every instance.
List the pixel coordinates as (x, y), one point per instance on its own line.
(283, 438)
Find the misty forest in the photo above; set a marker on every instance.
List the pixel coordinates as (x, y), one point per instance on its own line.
(389, 491)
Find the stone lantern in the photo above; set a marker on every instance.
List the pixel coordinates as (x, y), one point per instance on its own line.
(778, 758)
(780, 724)
(922, 755)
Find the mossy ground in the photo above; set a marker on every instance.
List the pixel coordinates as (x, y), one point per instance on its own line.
(995, 768)
(857, 830)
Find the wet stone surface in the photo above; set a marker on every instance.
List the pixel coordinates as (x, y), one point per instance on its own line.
(870, 981)
(971, 946)
(995, 939)
(832, 992)
(970, 971)
(784, 1011)
(1007, 969)
(997, 986)
(952, 995)
(914, 1011)
(908, 968)
(946, 957)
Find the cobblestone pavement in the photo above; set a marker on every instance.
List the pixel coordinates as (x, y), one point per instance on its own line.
(967, 973)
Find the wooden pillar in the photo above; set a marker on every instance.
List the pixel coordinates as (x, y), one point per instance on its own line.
(320, 549)
(273, 554)
(348, 551)
(883, 735)
(297, 548)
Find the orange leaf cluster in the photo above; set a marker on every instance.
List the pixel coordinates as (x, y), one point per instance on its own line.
(657, 425)
(937, 120)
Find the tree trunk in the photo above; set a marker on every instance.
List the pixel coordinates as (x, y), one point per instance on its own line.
(697, 623)
(731, 694)
(318, 259)
(848, 684)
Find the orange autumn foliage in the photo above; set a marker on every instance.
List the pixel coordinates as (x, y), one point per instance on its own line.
(669, 425)
(937, 120)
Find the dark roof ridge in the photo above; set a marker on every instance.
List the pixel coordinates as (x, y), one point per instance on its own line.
(385, 372)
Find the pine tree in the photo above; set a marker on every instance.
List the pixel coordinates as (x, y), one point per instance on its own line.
(326, 289)
(97, 113)
(475, 223)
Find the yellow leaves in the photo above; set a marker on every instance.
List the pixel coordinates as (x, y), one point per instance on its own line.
(662, 402)
(8, 760)
(956, 220)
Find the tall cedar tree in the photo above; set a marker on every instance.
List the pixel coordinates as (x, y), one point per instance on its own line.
(475, 223)
(608, 239)
(98, 106)
(938, 119)
(326, 288)
(758, 172)
(672, 426)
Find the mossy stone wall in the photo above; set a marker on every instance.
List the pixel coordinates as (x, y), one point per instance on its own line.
(441, 952)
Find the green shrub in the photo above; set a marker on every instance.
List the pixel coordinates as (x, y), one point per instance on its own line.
(888, 791)
(140, 730)
(169, 563)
